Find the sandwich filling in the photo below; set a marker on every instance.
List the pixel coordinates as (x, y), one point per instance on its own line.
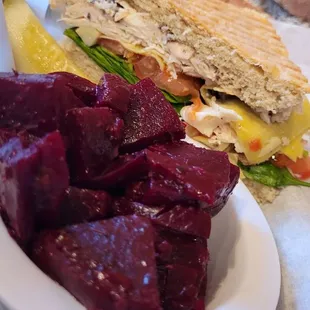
(137, 47)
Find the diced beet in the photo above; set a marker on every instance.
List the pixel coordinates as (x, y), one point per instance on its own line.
(188, 220)
(176, 248)
(183, 219)
(106, 265)
(34, 102)
(94, 137)
(162, 280)
(223, 198)
(34, 178)
(18, 169)
(25, 137)
(200, 303)
(182, 288)
(6, 135)
(122, 171)
(158, 192)
(113, 92)
(124, 206)
(83, 89)
(150, 118)
(182, 259)
(79, 206)
(52, 176)
(202, 175)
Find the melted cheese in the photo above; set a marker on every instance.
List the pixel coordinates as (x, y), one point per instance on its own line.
(294, 150)
(276, 137)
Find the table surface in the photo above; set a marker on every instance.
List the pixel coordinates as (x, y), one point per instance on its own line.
(277, 12)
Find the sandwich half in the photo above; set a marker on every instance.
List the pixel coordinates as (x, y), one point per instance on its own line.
(222, 66)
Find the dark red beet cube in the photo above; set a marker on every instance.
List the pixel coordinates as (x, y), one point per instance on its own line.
(34, 178)
(94, 137)
(184, 219)
(79, 206)
(83, 89)
(223, 198)
(182, 259)
(202, 175)
(34, 102)
(150, 118)
(124, 206)
(182, 288)
(52, 176)
(187, 220)
(158, 192)
(200, 303)
(25, 137)
(178, 248)
(106, 265)
(122, 171)
(113, 92)
(18, 169)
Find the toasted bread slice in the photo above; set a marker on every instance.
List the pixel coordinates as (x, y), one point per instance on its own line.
(238, 49)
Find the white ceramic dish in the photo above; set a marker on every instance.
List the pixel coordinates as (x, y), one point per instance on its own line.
(244, 273)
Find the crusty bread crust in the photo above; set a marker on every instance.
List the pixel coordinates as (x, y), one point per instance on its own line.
(238, 47)
(263, 194)
(87, 65)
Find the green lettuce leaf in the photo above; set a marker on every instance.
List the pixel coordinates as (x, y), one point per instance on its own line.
(270, 175)
(111, 63)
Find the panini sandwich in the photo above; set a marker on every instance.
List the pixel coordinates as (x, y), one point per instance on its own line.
(224, 67)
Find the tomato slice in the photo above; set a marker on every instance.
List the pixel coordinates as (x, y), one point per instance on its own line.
(300, 168)
(282, 161)
(113, 46)
(183, 85)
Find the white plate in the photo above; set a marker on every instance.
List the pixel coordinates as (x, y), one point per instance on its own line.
(244, 273)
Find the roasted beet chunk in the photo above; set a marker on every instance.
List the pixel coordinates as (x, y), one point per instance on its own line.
(25, 137)
(94, 137)
(223, 198)
(106, 265)
(150, 118)
(34, 178)
(124, 206)
(18, 168)
(201, 174)
(182, 287)
(182, 259)
(182, 219)
(52, 177)
(79, 206)
(188, 220)
(82, 88)
(113, 92)
(34, 102)
(122, 171)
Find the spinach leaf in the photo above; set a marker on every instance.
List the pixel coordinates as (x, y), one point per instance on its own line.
(111, 63)
(106, 60)
(270, 175)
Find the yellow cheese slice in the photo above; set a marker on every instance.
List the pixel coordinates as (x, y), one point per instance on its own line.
(294, 150)
(273, 137)
(34, 50)
(137, 49)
